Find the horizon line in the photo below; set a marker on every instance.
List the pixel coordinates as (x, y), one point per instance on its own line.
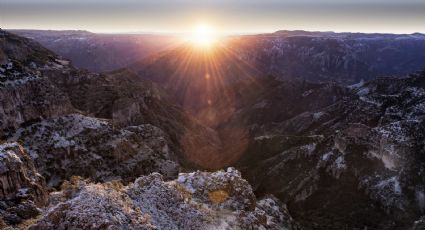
(170, 33)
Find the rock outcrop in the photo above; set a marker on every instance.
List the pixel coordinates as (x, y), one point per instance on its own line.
(199, 200)
(77, 145)
(22, 188)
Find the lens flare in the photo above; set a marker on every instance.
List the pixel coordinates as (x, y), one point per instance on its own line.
(203, 36)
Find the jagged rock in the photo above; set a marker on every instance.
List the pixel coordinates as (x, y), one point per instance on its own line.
(151, 203)
(29, 100)
(22, 188)
(95, 207)
(25, 93)
(76, 145)
(226, 190)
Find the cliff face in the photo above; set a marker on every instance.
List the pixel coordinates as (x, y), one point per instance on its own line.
(22, 188)
(26, 94)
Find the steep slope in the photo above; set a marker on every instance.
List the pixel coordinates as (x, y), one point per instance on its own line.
(366, 146)
(195, 77)
(206, 83)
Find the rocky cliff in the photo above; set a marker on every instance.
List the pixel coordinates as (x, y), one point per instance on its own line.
(26, 94)
(22, 189)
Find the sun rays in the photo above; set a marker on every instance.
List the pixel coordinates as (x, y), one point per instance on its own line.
(202, 36)
(208, 81)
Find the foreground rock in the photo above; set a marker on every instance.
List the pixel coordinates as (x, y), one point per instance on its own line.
(199, 200)
(22, 188)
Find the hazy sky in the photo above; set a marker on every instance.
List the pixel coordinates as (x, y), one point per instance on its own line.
(228, 16)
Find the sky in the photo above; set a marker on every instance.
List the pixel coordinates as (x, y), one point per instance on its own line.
(225, 16)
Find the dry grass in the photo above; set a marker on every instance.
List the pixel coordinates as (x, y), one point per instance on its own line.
(187, 196)
(27, 223)
(115, 184)
(218, 196)
(22, 226)
(71, 187)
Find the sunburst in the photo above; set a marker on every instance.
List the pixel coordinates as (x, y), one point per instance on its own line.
(203, 36)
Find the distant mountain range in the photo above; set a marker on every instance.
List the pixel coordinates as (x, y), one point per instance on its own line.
(317, 56)
(99, 52)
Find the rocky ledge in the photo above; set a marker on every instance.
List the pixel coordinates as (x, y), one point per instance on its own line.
(77, 145)
(198, 200)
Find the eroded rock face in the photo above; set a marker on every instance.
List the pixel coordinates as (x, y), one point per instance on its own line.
(25, 93)
(365, 146)
(128, 100)
(22, 188)
(152, 203)
(76, 145)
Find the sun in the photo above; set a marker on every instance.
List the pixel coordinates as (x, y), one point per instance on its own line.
(203, 36)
